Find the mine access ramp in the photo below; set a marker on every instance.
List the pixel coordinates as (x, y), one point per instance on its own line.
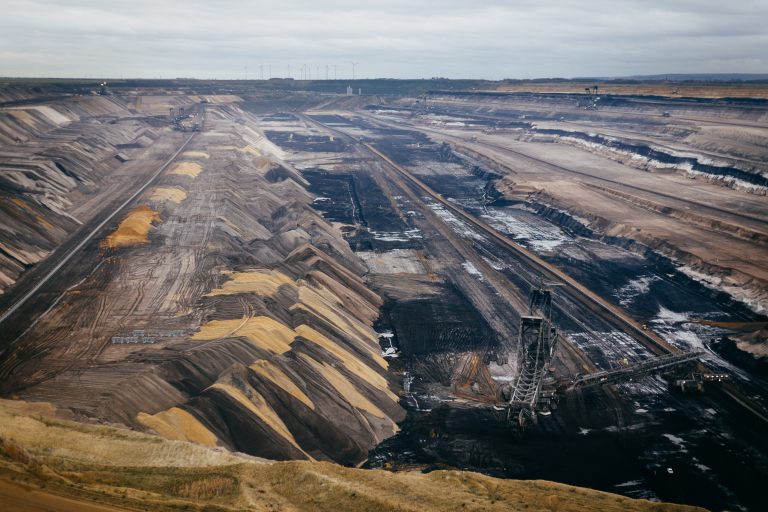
(536, 345)
(629, 373)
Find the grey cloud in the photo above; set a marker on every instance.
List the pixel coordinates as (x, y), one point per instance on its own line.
(491, 39)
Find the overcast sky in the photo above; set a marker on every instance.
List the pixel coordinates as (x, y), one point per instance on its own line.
(394, 38)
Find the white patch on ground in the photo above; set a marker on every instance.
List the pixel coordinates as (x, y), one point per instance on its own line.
(390, 352)
(631, 483)
(457, 225)
(615, 347)
(677, 329)
(396, 261)
(472, 270)
(494, 264)
(742, 294)
(729, 181)
(668, 316)
(397, 236)
(635, 288)
(677, 441)
(387, 111)
(543, 237)
(687, 167)
(648, 386)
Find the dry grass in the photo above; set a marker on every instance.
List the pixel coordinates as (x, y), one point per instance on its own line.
(191, 169)
(110, 469)
(738, 326)
(65, 440)
(133, 229)
(207, 488)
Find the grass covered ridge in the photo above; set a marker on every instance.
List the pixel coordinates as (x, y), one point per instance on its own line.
(74, 466)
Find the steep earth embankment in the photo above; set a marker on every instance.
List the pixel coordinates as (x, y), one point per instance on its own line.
(48, 463)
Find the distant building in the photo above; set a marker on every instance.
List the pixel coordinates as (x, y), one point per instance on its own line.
(349, 90)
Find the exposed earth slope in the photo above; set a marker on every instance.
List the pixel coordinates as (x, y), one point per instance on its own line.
(218, 307)
(53, 464)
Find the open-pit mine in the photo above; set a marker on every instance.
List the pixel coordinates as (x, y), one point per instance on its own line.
(532, 281)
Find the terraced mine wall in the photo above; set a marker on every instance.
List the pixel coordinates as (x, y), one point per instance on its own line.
(61, 164)
(218, 308)
(655, 155)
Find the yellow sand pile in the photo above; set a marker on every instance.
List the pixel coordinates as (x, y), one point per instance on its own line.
(321, 302)
(174, 194)
(346, 389)
(259, 407)
(324, 304)
(179, 425)
(191, 169)
(263, 282)
(269, 371)
(262, 331)
(352, 362)
(133, 229)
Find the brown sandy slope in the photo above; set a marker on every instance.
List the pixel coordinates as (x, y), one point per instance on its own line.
(669, 89)
(50, 464)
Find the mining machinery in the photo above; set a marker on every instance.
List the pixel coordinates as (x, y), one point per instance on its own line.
(537, 339)
(592, 97)
(535, 392)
